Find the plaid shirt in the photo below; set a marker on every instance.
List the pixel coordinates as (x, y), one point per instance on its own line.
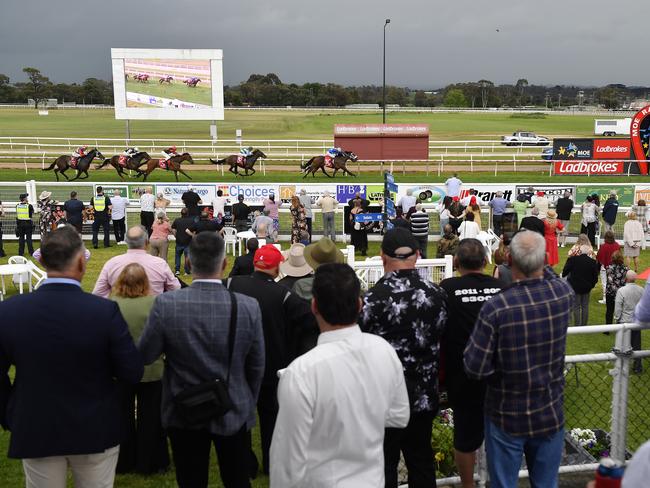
(518, 344)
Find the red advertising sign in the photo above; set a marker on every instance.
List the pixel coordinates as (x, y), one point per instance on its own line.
(639, 137)
(588, 167)
(611, 148)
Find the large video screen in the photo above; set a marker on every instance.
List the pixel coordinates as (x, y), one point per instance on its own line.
(168, 84)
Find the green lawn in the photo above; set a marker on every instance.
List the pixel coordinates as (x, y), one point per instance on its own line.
(278, 124)
(202, 93)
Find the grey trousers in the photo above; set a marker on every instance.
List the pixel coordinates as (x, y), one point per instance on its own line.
(581, 310)
(328, 225)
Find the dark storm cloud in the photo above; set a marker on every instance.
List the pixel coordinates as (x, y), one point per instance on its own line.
(429, 43)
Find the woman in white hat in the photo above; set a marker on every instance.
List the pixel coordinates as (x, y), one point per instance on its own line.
(46, 213)
(294, 266)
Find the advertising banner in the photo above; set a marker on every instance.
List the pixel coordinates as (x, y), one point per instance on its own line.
(254, 194)
(552, 192)
(611, 149)
(109, 189)
(625, 194)
(345, 193)
(567, 149)
(642, 192)
(174, 191)
(588, 167)
(314, 191)
(375, 193)
(640, 137)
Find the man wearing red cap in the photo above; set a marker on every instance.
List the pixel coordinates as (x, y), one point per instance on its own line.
(289, 331)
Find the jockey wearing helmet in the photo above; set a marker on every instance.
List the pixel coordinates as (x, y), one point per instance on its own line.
(170, 152)
(246, 151)
(131, 151)
(80, 152)
(333, 152)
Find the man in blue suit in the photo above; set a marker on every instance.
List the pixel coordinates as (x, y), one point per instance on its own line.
(69, 349)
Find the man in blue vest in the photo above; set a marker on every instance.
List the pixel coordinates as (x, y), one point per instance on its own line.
(100, 204)
(24, 224)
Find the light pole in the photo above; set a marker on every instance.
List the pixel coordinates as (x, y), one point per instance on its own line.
(384, 86)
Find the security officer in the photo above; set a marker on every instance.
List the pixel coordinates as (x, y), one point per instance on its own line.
(24, 224)
(100, 204)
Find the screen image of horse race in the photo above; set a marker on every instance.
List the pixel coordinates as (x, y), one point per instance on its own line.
(168, 83)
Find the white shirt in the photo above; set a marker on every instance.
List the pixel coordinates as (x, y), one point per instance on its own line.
(638, 469)
(468, 229)
(219, 205)
(306, 202)
(335, 402)
(406, 202)
(541, 203)
(147, 202)
(453, 186)
(119, 204)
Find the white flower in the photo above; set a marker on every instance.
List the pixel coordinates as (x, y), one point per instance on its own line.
(395, 309)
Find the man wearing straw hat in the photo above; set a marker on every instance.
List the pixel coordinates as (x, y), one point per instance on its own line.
(294, 267)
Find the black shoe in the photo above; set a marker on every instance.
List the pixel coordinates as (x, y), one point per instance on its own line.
(107, 246)
(95, 246)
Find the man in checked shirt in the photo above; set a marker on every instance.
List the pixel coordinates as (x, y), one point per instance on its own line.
(518, 345)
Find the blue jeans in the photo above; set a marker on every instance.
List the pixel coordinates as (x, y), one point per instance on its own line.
(179, 252)
(504, 451)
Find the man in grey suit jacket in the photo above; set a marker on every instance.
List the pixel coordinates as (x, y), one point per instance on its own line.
(190, 327)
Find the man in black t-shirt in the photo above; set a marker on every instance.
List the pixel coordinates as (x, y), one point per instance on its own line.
(465, 297)
(183, 239)
(240, 213)
(191, 199)
(74, 211)
(563, 207)
(533, 222)
(204, 224)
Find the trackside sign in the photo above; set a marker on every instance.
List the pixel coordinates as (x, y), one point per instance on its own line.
(589, 167)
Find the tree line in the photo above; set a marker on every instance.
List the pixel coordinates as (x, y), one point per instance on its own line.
(269, 90)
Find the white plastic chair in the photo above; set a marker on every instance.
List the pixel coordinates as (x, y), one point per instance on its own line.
(38, 274)
(230, 238)
(19, 278)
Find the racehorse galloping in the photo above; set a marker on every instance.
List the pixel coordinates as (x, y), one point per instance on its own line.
(237, 161)
(62, 164)
(192, 82)
(142, 78)
(166, 79)
(122, 163)
(338, 163)
(172, 164)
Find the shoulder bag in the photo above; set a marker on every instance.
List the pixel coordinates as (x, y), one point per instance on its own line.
(199, 404)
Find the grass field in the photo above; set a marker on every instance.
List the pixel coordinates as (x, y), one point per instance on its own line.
(275, 124)
(202, 93)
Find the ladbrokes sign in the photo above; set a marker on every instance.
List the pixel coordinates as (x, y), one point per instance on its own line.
(611, 148)
(589, 167)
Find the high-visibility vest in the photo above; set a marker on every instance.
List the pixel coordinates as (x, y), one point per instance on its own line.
(99, 202)
(22, 211)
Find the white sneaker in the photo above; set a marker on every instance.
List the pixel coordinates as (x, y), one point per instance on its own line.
(602, 302)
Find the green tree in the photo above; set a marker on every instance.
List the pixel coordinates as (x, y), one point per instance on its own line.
(455, 98)
(486, 87)
(609, 97)
(39, 85)
(521, 85)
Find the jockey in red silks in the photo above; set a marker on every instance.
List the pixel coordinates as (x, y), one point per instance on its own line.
(80, 152)
(169, 153)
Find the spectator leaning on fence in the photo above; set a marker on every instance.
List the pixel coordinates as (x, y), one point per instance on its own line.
(633, 237)
(518, 345)
(610, 209)
(118, 215)
(147, 202)
(466, 294)
(337, 399)
(453, 185)
(328, 206)
(410, 313)
(641, 211)
(420, 228)
(498, 205)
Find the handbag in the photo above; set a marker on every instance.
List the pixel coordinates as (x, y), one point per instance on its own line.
(202, 403)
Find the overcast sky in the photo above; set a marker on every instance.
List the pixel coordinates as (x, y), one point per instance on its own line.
(429, 43)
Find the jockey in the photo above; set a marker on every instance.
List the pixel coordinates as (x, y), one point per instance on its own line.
(131, 151)
(246, 151)
(170, 152)
(80, 152)
(333, 152)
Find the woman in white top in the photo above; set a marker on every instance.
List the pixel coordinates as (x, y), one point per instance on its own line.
(468, 229)
(633, 237)
(443, 211)
(589, 218)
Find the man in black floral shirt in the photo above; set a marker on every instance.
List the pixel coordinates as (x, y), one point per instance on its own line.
(410, 313)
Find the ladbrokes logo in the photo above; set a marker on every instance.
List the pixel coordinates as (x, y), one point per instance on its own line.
(588, 167)
(611, 149)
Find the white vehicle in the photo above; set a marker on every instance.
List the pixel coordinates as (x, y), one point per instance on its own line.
(612, 127)
(521, 138)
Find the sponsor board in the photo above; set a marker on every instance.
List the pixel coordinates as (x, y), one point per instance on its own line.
(642, 193)
(568, 149)
(375, 193)
(109, 190)
(552, 192)
(174, 191)
(611, 149)
(624, 193)
(588, 167)
(253, 194)
(640, 137)
(314, 191)
(487, 192)
(345, 193)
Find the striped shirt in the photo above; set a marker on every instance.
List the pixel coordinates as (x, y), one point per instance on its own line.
(420, 224)
(518, 344)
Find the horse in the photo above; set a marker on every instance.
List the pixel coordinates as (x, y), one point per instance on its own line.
(172, 164)
(166, 79)
(62, 164)
(338, 163)
(234, 161)
(192, 82)
(133, 163)
(142, 78)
